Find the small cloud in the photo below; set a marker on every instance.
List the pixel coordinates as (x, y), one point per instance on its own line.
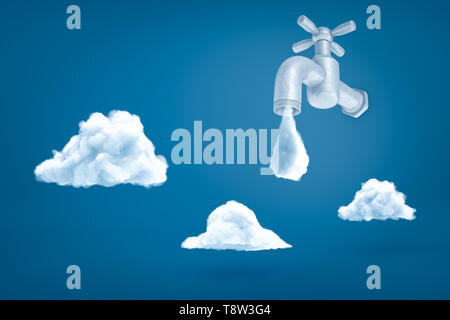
(234, 226)
(377, 200)
(107, 151)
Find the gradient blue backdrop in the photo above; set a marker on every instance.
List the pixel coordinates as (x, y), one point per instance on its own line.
(173, 62)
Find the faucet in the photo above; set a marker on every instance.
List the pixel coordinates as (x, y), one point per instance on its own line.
(320, 74)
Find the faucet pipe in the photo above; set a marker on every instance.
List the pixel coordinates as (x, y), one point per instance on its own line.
(292, 74)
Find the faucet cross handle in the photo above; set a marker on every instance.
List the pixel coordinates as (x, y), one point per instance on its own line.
(307, 25)
(344, 28)
(322, 33)
(340, 30)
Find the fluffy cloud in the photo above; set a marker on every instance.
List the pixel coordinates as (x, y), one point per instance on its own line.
(107, 151)
(234, 226)
(377, 200)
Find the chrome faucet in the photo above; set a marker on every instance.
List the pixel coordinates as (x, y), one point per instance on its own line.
(320, 75)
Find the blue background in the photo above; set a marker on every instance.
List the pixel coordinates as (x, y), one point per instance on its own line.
(175, 62)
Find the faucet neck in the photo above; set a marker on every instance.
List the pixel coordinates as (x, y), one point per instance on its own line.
(323, 48)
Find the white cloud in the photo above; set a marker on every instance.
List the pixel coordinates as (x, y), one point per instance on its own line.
(377, 200)
(234, 226)
(107, 151)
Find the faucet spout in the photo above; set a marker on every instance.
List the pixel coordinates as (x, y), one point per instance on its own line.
(292, 73)
(353, 102)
